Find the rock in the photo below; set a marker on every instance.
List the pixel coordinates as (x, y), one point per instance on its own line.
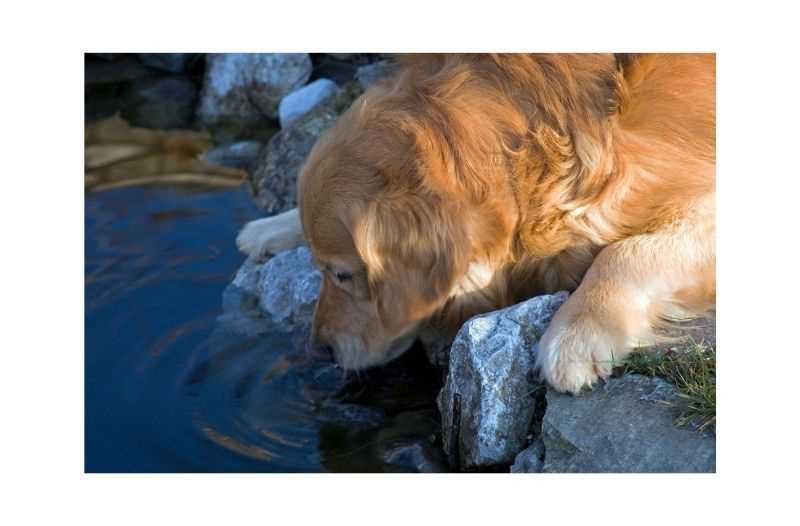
(303, 100)
(288, 287)
(241, 313)
(107, 80)
(276, 169)
(237, 155)
(416, 457)
(438, 352)
(161, 103)
(626, 425)
(120, 69)
(530, 460)
(371, 73)
(242, 90)
(487, 404)
(170, 62)
(276, 296)
(274, 176)
(248, 277)
(408, 444)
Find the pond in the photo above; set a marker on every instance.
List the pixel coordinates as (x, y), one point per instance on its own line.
(169, 389)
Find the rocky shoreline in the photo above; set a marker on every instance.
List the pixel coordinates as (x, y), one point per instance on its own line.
(495, 413)
(264, 113)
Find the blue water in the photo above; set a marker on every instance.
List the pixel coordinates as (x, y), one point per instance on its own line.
(169, 387)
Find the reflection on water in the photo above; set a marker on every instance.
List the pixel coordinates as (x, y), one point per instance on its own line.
(117, 155)
(173, 383)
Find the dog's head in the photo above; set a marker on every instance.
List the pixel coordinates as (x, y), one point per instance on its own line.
(406, 205)
(389, 245)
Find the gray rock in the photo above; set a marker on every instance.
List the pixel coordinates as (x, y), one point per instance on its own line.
(237, 155)
(407, 443)
(274, 176)
(278, 165)
(275, 296)
(303, 100)
(242, 90)
(171, 62)
(530, 460)
(288, 287)
(487, 404)
(418, 456)
(248, 276)
(371, 73)
(241, 313)
(161, 103)
(624, 426)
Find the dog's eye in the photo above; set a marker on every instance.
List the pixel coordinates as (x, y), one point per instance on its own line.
(343, 276)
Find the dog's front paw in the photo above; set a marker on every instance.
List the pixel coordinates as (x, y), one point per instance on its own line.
(252, 240)
(575, 356)
(271, 235)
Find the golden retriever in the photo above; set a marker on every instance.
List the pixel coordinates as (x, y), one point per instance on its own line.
(466, 183)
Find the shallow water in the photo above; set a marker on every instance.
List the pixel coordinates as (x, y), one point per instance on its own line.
(171, 385)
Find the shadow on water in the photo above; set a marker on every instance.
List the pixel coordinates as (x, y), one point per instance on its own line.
(175, 382)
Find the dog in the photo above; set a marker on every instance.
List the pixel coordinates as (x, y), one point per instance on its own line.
(466, 183)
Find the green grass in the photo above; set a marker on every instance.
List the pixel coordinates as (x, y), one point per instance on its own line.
(692, 368)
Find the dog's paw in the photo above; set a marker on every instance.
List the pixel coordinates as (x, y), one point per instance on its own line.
(575, 356)
(271, 235)
(253, 240)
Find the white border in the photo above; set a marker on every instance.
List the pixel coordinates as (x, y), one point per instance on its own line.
(43, 270)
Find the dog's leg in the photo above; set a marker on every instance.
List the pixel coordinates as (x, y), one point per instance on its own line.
(271, 234)
(630, 287)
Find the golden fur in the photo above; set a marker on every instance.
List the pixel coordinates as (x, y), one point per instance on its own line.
(466, 183)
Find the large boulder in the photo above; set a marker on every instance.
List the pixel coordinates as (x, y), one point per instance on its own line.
(241, 91)
(626, 425)
(274, 176)
(303, 100)
(486, 404)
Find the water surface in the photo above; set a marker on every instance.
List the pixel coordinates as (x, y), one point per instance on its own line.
(172, 385)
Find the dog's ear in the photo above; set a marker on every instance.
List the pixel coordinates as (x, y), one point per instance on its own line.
(414, 249)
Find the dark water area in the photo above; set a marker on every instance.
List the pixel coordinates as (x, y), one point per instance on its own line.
(169, 389)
